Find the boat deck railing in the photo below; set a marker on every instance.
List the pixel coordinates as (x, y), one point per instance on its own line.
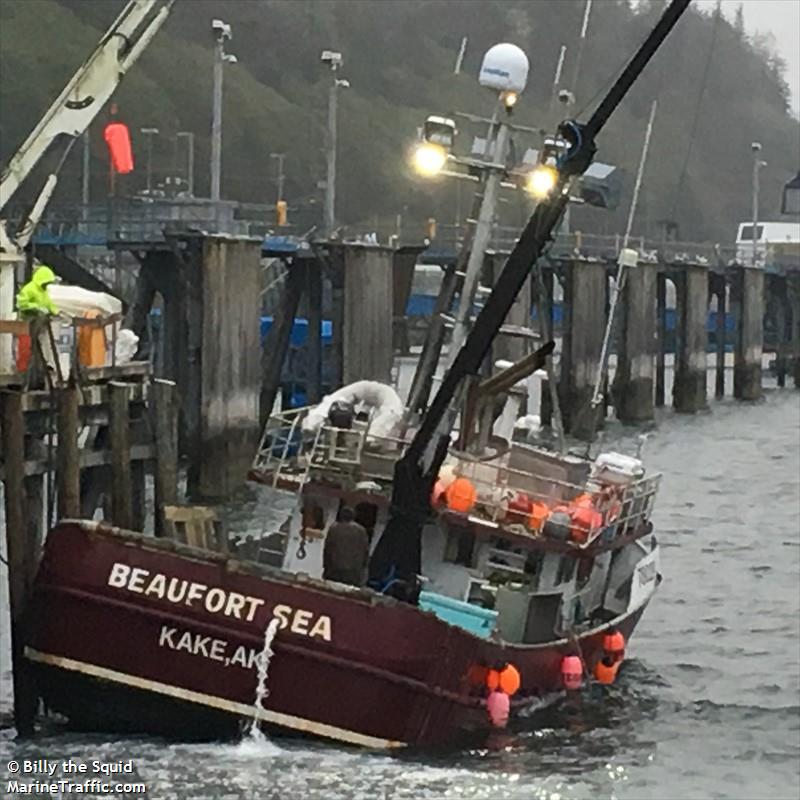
(288, 454)
(522, 500)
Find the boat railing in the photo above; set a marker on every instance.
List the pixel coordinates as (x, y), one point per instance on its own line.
(288, 454)
(522, 501)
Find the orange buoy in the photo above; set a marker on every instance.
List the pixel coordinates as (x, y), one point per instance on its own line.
(572, 673)
(584, 518)
(510, 680)
(605, 671)
(519, 508)
(614, 645)
(461, 495)
(539, 514)
(493, 680)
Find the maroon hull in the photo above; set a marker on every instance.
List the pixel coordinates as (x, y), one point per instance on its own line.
(114, 611)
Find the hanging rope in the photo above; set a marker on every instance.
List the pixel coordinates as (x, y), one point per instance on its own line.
(696, 118)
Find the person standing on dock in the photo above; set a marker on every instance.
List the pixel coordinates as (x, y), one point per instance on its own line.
(33, 300)
(35, 306)
(346, 550)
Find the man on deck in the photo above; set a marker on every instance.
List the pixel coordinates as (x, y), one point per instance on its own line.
(346, 551)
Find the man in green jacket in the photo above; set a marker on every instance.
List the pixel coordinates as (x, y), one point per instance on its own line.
(33, 299)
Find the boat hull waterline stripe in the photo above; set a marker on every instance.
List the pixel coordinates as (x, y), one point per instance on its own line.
(242, 709)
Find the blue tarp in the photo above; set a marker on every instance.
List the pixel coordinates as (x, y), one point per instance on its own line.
(299, 331)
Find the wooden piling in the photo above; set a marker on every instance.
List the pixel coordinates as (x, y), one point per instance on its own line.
(165, 427)
(633, 382)
(793, 294)
(661, 337)
(119, 440)
(720, 332)
(68, 471)
(782, 344)
(750, 335)
(689, 387)
(20, 566)
(584, 326)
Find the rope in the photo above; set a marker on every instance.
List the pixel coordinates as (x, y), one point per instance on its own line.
(696, 119)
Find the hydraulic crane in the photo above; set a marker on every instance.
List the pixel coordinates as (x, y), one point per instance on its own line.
(398, 552)
(67, 118)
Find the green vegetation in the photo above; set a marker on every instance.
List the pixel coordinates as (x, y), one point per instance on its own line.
(399, 57)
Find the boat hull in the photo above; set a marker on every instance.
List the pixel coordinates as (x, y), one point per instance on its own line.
(136, 634)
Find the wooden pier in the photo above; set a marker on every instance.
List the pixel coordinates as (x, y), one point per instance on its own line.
(71, 451)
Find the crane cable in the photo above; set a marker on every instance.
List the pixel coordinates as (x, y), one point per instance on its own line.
(698, 106)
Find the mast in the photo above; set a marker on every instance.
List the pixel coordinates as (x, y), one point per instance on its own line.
(399, 550)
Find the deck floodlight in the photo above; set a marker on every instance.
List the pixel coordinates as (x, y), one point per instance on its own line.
(541, 181)
(429, 159)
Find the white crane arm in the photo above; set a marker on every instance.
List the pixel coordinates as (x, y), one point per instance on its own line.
(89, 90)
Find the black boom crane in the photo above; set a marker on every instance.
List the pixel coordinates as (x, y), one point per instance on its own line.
(398, 553)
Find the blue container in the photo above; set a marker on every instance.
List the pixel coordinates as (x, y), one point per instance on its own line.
(478, 621)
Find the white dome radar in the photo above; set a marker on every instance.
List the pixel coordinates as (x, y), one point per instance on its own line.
(504, 68)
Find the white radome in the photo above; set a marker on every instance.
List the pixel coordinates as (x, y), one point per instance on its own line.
(504, 68)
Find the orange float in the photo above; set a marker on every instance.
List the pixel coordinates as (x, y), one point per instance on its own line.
(506, 680)
(584, 517)
(605, 671)
(539, 514)
(461, 495)
(614, 644)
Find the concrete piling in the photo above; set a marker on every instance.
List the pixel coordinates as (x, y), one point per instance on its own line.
(689, 387)
(750, 335)
(635, 376)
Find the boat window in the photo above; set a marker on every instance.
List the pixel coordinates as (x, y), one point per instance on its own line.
(747, 233)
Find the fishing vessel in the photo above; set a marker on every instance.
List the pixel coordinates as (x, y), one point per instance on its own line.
(500, 571)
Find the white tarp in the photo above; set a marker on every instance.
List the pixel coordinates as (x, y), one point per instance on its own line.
(386, 402)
